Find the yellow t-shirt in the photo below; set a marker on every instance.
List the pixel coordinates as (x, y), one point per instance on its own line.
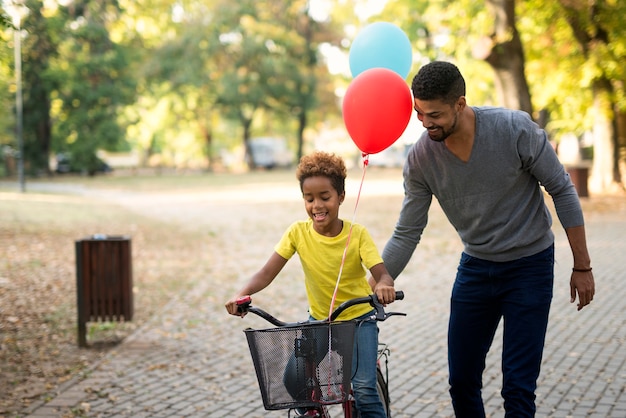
(321, 261)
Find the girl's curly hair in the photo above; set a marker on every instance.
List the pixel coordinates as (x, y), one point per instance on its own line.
(322, 163)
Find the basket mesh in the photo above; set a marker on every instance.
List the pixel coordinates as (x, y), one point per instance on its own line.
(296, 367)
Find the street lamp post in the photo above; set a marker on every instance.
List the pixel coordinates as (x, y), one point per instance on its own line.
(19, 103)
(17, 9)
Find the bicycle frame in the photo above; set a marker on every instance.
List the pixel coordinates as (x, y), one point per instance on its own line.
(317, 405)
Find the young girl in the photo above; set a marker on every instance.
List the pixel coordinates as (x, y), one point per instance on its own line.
(320, 243)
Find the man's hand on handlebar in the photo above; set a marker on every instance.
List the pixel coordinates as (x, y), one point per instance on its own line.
(382, 284)
(385, 293)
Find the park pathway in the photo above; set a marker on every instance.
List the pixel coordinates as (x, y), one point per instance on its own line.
(192, 360)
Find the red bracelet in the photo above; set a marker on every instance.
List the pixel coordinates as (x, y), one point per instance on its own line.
(582, 270)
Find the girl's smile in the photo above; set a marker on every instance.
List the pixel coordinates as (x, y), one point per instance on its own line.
(322, 201)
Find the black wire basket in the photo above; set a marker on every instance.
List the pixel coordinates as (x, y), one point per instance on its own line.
(303, 366)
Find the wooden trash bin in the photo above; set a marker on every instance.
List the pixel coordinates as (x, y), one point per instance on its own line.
(579, 175)
(104, 282)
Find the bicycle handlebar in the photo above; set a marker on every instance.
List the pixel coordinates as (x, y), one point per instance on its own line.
(245, 305)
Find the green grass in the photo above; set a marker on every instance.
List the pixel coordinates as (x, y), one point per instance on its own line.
(170, 181)
(192, 181)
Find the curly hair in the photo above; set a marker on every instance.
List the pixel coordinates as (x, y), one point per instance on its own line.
(323, 164)
(438, 80)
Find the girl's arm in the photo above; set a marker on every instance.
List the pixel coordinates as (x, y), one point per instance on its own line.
(259, 281)
(382, 284)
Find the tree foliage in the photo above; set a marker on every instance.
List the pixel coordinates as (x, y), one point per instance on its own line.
(182, 80)
(247, 62)
(598, 28)
(39, 47)
(572, 62)
(5, 21)
(96, 84)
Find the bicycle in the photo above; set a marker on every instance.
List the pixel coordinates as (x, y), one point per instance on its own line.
(305, 366)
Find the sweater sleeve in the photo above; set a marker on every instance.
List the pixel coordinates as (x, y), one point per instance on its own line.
(411, 222)
(543, 163)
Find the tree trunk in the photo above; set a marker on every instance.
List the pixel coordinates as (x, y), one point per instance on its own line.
(44, 138)
(246, 123)
(506, 56)
(603, 150)
(621, 147)
(302, 121)
(207, 134)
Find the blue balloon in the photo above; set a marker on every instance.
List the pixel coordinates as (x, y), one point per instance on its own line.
(381, 45)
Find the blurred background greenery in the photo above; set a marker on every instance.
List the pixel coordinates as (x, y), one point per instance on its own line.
(188, 84)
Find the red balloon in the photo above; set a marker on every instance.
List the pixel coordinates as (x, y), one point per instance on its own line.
(377, 108)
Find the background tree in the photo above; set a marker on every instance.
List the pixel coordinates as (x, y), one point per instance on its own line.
(503, 50)
(8, 144)
(5, 21)
(297, 92)
(271, 48)
(181, 72)
(565, 78)
(470, 30)
(179, 81)
(598, 28)
(96, 85)
(251, 62)
(39, 48)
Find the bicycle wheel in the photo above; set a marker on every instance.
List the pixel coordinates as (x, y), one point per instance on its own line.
(383, 391)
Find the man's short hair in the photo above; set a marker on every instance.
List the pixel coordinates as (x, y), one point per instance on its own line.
(438, 80)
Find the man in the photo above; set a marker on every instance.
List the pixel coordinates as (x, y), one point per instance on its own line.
(485, 166)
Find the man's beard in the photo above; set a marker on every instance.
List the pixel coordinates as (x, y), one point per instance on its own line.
(445, 133)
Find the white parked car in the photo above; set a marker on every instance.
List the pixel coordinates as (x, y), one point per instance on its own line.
(391, 157)
(270, 152)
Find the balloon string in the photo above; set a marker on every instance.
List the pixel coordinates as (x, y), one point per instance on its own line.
(345, 250)
(343, 259)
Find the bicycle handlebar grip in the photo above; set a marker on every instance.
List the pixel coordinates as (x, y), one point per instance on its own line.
(243, 300)
(243, 303)
(399, 295)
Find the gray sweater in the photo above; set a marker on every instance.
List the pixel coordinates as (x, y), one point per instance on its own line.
(494, 201)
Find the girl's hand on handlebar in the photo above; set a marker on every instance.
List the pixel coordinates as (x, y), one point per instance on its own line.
(232, 306)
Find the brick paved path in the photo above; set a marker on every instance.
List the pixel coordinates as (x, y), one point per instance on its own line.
(192, 360)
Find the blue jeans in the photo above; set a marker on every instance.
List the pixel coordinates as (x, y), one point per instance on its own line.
(364, 374)
(519, 291)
